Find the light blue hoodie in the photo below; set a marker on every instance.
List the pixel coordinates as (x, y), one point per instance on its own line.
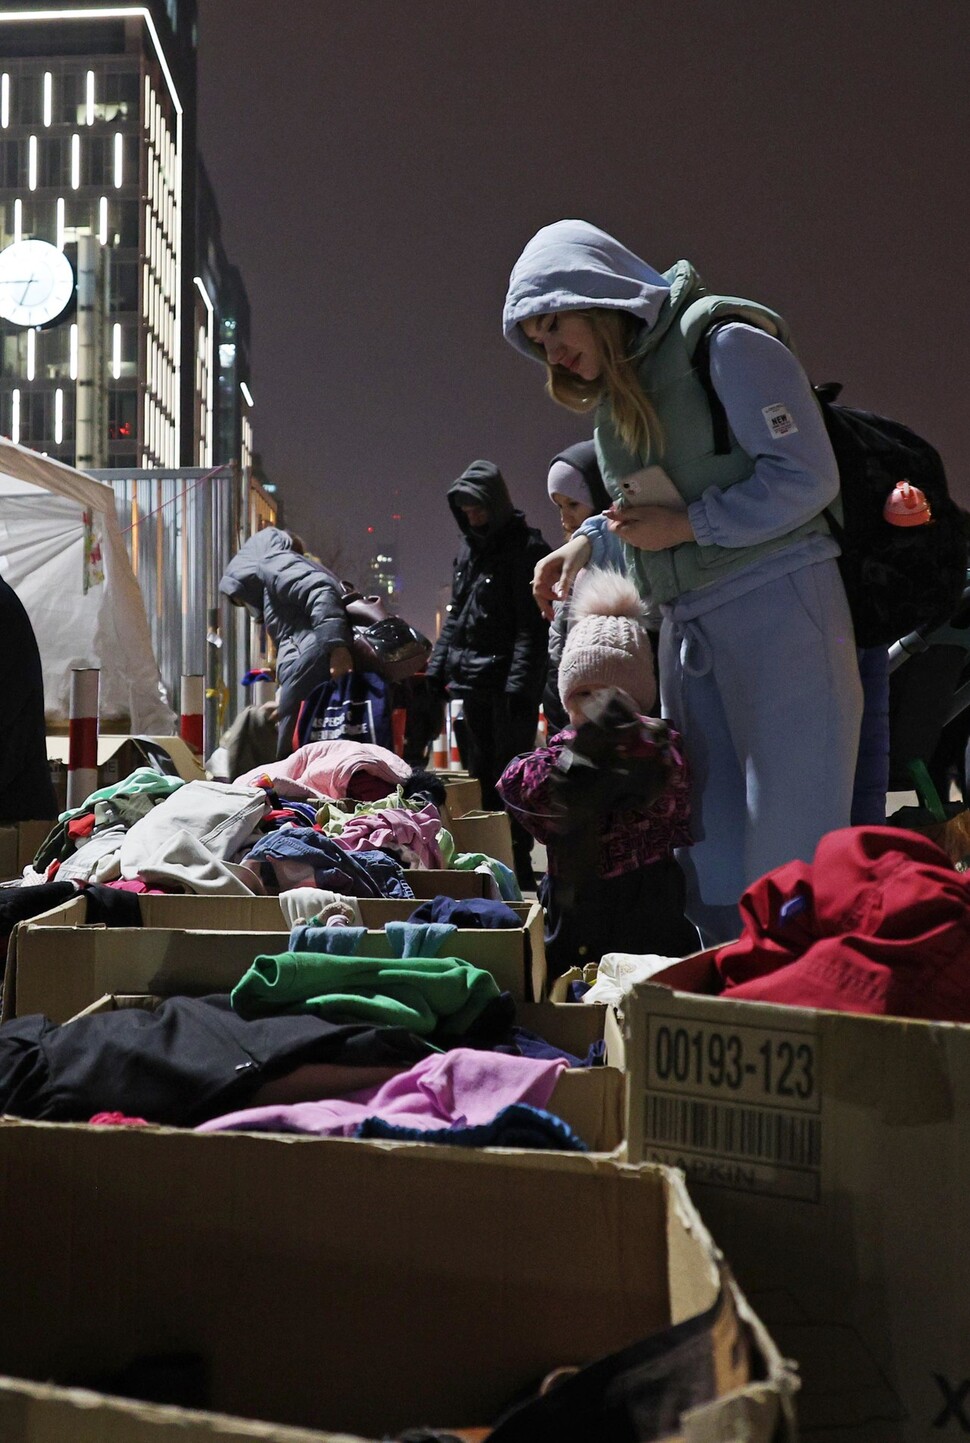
(764, 497)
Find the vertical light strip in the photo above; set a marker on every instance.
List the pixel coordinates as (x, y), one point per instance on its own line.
(18, 219)
(103, 220)
(119, 161)
(210, 364)
(4, 100)
(177, 248)
(58, 416)
(73, 353)
(59, 222)
(48, 97)
(89, 99)
(148, 101)
(32, 163)
(75, 162)
(116, 351)
(15, 415)
(31, 353)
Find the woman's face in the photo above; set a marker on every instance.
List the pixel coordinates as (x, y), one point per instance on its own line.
(571, 513)
(568, 341)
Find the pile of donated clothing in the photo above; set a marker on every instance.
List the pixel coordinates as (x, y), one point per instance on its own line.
(877, 923)
(321, 1038)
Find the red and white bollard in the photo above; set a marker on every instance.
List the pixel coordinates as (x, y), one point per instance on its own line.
(192, 719)
(82, 751)
(542, 730)
(439, 752)
(454, 754)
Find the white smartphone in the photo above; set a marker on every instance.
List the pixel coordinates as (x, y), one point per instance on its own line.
(651, 487)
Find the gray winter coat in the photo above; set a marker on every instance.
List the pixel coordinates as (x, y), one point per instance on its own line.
(296, 599)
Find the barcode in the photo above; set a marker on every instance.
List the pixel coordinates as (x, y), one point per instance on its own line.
(790, 1140)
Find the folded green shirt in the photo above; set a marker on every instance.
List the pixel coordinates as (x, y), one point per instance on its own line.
(422, 994)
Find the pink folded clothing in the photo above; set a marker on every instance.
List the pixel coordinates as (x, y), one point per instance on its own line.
(411, 835)
(329, 769)
(461, 1088)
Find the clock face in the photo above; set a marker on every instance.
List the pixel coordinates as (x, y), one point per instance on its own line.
(36, 283)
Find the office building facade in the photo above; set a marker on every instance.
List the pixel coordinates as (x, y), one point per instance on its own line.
(146, 365)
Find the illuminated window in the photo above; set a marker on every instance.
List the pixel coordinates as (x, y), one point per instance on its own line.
(89, 99)
(58, 416)
(119, 160)
(48, 97)
(4, 100)
(32, 163)
(75, 162)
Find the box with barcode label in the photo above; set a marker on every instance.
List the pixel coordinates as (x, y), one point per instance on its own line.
(830, 1155)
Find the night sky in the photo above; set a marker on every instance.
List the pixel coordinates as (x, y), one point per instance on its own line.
(380, 164)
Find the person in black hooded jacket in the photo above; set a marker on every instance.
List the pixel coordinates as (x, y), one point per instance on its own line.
(298, 601)
(26, 793)
(492, 651)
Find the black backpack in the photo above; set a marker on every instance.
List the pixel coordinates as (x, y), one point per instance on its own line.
(898, 579)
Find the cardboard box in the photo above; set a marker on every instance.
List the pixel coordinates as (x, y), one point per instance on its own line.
(487, 832)
(57, 965)
(830, 1155)
(19, 844)
(442, 882)
(119, 756)
(591, 1099)
(332, 1284)
(463, 793)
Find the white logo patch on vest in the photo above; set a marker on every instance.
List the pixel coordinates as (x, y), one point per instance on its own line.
(779, 419)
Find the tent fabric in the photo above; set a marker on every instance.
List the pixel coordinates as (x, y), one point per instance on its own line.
(62, 551)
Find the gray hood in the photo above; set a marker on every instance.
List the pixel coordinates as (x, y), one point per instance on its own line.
(244, 579)
(573, 266)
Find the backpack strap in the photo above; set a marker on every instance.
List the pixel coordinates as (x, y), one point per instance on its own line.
(702, 367)
(698, 324)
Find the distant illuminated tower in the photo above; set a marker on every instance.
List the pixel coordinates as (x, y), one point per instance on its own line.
(383, 576)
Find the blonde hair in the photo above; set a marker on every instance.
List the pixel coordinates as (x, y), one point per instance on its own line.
(634, 417)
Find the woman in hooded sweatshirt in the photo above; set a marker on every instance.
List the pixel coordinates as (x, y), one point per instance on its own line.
(298, 601)
(725, 536)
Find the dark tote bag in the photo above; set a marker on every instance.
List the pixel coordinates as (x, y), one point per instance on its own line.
(355, 707)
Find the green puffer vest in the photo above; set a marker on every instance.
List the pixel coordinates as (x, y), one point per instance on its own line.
(666, 373)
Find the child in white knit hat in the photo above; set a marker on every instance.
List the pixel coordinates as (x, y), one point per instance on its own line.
(608, 795)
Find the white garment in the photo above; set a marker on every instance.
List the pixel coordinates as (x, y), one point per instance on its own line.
(619, 973)
(305, 904)
(221, 816)
(181, 860)
(96, 859)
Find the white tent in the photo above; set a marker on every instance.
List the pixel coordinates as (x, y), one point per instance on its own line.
(62, 551)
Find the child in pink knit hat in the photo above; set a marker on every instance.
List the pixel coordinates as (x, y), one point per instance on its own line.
(608, 795)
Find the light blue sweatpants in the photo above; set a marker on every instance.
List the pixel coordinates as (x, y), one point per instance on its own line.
(764, 689)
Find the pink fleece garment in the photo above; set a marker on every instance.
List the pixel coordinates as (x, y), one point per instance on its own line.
(458, 1088)
(325, 769)
(412, 834)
